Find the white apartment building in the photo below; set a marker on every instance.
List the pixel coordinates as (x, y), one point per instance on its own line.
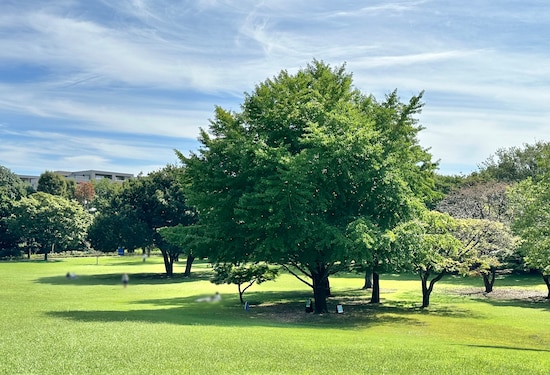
(82, 176)
(95, 175)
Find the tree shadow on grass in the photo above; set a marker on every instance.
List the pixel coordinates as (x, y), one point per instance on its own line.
(540, 302)
(279, 309)
(509, 297)
(506, 348)
(25, 260)
(131, 263)
(351, 298)
(115, 279)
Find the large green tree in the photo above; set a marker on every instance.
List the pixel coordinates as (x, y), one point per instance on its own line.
(111, 230)
(517, 163)
(143, 206)
(308, 154)
(11, 190)
(46, 223)
(530, 205)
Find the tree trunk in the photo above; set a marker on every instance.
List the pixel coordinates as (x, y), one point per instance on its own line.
(368, 279)
(320, 292)
(489, 280)
(428, 288)
(546, 279)
(375, 296)
(168, 263)
(327, 288)
(425, 290)
(188, 264)
(240, 293)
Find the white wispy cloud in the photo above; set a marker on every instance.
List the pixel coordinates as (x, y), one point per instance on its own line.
(119, 84)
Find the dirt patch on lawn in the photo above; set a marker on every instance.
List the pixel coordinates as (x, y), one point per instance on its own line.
(509, 294)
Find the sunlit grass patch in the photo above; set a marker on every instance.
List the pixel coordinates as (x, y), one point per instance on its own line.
(52, 324)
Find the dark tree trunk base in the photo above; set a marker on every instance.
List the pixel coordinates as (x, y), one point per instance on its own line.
(546, 279)
(375, 296)
(188, 264)
(489, 280)
(368, 280)
(427, 288)
(320, 293)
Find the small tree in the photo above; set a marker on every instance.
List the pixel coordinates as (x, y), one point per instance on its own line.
(433, 249)
(52, 183)
(490, 242)
(378, 254)
(178, 237)
(84, 193)
(243, 275)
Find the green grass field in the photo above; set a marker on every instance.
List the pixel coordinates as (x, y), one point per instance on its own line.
(92, 325)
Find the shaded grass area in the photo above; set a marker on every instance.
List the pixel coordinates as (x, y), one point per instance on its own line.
(92, 325)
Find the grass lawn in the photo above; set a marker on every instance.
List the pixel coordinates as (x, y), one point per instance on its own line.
(51, 324)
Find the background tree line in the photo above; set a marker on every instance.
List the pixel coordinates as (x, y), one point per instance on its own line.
(312, 176)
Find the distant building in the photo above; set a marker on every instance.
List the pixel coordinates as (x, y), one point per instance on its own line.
(82, 176)
(31, 180)
(94, 175)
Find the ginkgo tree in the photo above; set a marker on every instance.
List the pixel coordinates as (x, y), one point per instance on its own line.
(281, 181)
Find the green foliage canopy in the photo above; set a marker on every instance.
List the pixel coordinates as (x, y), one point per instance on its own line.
(490, 243)
(433, 249)
(530, 205)
(11, 190)
(243, 275)
(309, 154)
(48, 222)
(52, 183)
(143, 206)
(516, 164)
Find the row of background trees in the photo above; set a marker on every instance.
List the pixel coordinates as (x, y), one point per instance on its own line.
(312, 176)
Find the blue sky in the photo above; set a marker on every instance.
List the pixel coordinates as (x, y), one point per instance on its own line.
(117, 85)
